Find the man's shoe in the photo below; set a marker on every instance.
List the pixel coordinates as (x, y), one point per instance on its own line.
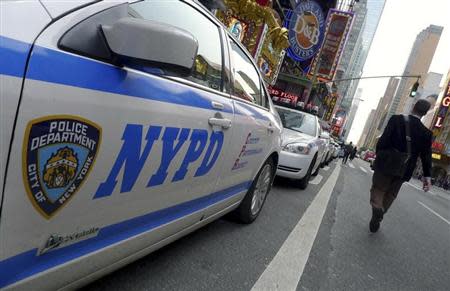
(377, 217)
(374, 226)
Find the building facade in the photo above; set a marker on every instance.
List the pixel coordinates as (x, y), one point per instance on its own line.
(365, 132)
(354, 58)
(352, 112)
(376, 127)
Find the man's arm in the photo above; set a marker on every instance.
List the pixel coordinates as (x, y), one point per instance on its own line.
(425, 157)
(385, 140)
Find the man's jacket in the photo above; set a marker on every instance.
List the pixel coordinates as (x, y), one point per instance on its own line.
(421, 138)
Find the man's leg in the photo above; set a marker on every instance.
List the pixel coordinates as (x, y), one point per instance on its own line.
(392, 193)
(380, 186)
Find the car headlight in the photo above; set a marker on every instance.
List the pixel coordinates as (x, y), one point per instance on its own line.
(297, 148)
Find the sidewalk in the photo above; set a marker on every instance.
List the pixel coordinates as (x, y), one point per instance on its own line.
(434, 190)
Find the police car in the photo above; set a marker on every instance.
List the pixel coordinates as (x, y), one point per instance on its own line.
(303, 146)
(124, 126)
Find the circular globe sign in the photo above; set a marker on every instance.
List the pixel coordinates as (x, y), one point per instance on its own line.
(306, 24)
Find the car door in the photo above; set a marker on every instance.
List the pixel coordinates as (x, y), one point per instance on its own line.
(255, 130)
(110, 159)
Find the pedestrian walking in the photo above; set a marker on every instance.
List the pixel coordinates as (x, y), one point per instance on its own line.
(353, 154)
(348, 149)
(404, 139)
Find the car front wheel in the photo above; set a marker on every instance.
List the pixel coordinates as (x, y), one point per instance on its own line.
(256, 196)
(303, 182)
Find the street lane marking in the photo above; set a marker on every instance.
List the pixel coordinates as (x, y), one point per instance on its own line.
(286, 268)
(326, 168)
(362, 169)
(351, 165)
(434, 212)
(412, 185)
(316, 180)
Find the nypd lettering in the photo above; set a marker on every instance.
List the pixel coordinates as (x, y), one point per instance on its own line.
(199, 144)
(59, 152)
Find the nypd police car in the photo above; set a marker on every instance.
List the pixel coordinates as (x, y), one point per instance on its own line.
(124, 126)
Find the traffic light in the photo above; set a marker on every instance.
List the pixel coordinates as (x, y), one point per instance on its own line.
(414, 89)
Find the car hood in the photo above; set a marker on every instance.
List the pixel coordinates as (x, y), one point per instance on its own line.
(290, 136)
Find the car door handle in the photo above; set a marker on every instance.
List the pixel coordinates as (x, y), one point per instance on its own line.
(217, 105)
(222, 122)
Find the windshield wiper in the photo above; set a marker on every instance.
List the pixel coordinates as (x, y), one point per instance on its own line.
(297, 130)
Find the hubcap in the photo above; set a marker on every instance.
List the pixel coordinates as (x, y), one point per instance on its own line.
(261, 189)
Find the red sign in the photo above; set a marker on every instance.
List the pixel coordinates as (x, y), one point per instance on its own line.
(437, 146)
(442, 112)
(337, 28)
(281, 96)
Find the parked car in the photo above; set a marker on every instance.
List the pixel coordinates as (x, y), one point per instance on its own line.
(302, 147)
(124, 127)
(329, 148)
(369, 156)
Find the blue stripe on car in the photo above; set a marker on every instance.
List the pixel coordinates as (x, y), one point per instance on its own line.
(13, 56)
(27, 264)
(53, 66)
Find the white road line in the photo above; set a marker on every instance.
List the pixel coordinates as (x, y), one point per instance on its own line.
(326, 168)
(412, 185)
(362, 169)
(434, 212)
(286, 268)
(316, 180)
(351, 165)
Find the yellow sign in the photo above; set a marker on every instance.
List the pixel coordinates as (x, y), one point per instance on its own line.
(436, 156)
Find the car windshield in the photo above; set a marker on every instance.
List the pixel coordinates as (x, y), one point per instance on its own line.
(298, 121)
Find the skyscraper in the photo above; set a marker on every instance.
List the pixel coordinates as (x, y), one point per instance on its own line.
(352, 112)
(368, 14)
(372, 18)
(418, 64)
(376, 127)
(369, 120)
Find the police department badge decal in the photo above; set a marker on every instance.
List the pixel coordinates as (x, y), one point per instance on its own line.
(58, 154)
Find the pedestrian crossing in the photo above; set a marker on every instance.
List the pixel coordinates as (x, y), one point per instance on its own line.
(351, 165)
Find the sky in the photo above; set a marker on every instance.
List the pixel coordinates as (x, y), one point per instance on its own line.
(400, 23)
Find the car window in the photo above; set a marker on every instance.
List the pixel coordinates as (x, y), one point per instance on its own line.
(298, 121)
(208, 64)
(247, 83)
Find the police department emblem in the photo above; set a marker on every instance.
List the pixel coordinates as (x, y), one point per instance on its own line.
(58, 154)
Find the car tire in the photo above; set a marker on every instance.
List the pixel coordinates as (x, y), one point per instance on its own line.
(316, 172)
(253, 201)
(303, 182)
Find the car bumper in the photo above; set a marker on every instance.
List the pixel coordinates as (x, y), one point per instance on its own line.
(293, 166)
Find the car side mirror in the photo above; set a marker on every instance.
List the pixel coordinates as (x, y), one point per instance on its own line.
(151, 43)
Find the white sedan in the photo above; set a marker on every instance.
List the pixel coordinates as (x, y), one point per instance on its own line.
(302, 147)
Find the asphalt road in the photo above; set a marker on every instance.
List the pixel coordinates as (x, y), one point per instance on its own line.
(410, 252)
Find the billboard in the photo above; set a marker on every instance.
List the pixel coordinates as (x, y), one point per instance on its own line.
(306, 25)
(337, 27)
(441, 113)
